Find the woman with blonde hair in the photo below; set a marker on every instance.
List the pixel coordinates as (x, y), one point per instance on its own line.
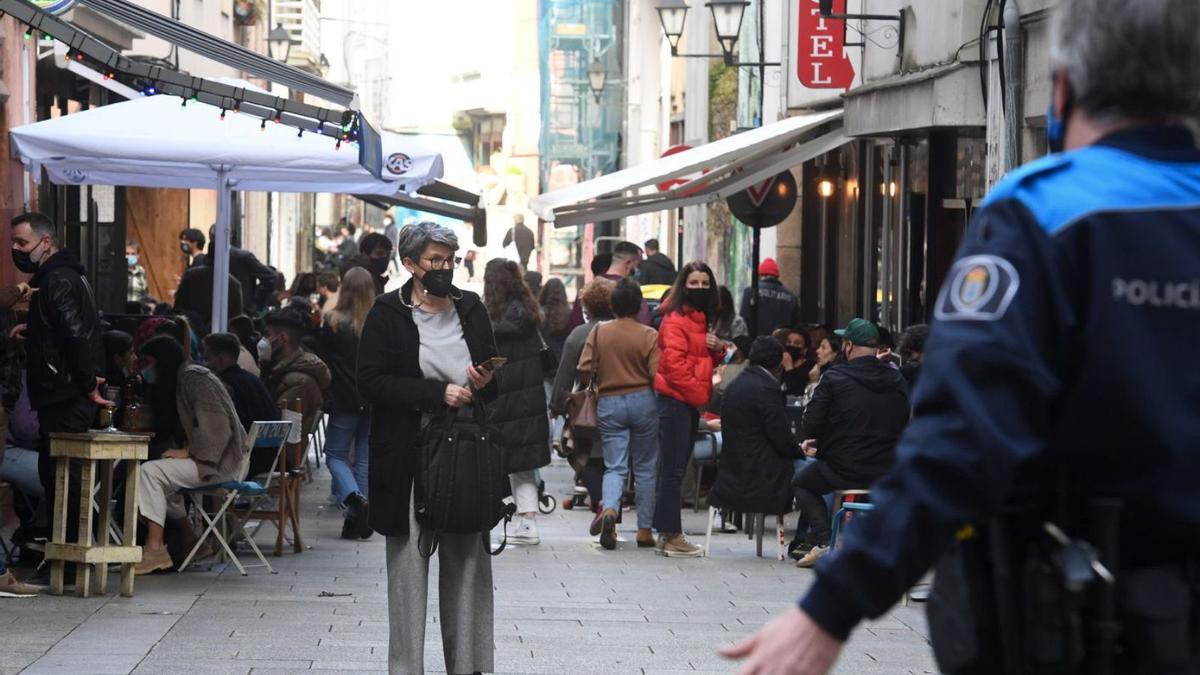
(349, 424)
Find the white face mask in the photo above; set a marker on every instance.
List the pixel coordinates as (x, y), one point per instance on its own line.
(264, 349)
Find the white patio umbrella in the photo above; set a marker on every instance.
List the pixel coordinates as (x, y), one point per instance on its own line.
(157, 142)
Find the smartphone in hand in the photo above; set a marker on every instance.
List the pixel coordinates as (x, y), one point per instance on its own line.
(491, 364)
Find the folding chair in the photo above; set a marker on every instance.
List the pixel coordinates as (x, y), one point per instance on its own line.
(318, 438)
(262, 435)
(283, 483)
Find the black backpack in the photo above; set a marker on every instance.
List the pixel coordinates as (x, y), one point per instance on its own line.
(462, 482)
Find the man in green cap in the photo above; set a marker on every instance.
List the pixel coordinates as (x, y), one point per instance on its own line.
(856, 415)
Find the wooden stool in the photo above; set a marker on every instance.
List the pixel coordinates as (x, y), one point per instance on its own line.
(104, 448)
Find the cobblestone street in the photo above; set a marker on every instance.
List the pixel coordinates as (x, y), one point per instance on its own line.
(565, 606)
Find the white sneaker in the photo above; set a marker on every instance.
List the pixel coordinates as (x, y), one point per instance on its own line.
(525, 533)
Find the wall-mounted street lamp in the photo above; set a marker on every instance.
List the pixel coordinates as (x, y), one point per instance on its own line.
(597, 74)
(279, 43)
(826, 10)
(672, 14)
(825, 188)
(727, 21)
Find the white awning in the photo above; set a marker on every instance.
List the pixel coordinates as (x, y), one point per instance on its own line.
(712, 171)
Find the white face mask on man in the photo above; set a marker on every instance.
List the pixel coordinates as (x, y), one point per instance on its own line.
(264, 349)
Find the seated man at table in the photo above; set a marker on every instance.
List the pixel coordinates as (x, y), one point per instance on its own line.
(251, 397)
(758, 446)
(203, 411)
(856, 415)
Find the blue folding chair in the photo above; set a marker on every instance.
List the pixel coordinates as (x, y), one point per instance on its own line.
(272, 435)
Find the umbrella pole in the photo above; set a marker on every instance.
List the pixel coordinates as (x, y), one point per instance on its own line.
(220, 244)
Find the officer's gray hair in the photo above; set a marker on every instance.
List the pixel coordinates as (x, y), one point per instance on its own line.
(1129, 59)
(415, 237)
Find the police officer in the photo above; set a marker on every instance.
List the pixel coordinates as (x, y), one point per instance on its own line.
(1060, 356)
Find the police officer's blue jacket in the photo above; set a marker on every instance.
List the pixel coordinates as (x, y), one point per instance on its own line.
(1063, 336)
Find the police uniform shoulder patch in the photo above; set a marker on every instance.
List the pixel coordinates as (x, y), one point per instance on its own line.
(978, 288)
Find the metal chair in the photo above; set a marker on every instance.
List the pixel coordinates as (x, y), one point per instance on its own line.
(706, 452)
(847, 507)
(758, 526)
(270, 434)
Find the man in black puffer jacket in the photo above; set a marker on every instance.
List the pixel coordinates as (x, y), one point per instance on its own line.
(64, 352)
(856, 415)
(758, 449)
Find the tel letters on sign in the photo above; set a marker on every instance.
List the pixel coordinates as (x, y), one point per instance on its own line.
(821, 61)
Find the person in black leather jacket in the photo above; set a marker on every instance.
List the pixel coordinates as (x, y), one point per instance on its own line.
(63, 341)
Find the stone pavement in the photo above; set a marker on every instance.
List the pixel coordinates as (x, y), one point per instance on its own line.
(565, 606)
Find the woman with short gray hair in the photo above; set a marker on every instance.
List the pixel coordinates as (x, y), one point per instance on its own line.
(415, 359)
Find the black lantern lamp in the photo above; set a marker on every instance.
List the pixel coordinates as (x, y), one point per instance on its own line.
(597, 74)
(279, 43)
(727, 20)
(673, 14)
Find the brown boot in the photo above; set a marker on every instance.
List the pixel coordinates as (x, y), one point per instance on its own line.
(608, 529)
(153, 561)
(645, 538)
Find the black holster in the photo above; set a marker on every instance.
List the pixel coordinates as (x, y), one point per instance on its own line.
(1008, 600)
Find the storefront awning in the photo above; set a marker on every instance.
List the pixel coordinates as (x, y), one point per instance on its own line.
(347, 124)
(904, 103)
(708, 173)
(440, 199)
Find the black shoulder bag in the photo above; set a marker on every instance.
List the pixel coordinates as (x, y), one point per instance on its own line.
(462, 483)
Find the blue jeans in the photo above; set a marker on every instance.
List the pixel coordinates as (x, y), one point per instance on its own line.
(629, 427)
(678, 425)
(346, 433)
(20, 468)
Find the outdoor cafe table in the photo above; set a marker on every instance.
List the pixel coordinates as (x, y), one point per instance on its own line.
(97, 450)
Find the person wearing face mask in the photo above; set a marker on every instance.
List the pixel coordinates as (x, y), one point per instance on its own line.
(684, 384)
(136, 287)
(289, 370)
(191, 243)
(797, 363)
(374, 255)
(207, 446)
(63, 345)
(758, 451)
(1021, 419)
(416, 359)
(851, 426)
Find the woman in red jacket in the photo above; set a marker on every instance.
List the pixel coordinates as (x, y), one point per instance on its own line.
(689, 353)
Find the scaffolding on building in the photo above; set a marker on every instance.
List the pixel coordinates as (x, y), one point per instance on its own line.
(580, 130)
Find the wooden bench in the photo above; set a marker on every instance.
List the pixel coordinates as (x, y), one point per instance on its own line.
(98, 451)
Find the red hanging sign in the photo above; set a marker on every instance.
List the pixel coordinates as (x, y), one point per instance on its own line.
(822, 61)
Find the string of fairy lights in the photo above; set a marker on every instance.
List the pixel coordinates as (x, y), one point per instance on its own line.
(345, 127)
